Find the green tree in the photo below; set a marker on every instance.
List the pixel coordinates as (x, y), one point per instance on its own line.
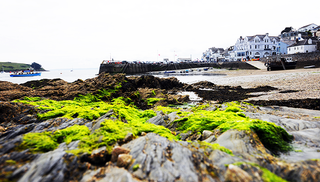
(36, 66)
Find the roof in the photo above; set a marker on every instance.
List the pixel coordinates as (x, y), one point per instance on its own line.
(306, 25)
(250, 38)
(288, 41)
(287, 29)
(214, 50)
(316, 28)
(304, 42)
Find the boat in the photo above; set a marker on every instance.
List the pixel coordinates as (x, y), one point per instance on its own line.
(311, 66)
(25, 73)
(281, 63)
(169, 72)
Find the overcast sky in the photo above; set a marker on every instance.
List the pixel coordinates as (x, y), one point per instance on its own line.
(82, 33)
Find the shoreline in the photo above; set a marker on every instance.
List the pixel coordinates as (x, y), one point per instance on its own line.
(301, 83)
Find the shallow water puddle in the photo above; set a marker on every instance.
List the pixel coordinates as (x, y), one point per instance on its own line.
(192, 96)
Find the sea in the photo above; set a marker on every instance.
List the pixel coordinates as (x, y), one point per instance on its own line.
(71, 75)
(68, 75)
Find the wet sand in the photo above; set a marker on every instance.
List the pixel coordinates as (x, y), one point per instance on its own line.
(298, 83)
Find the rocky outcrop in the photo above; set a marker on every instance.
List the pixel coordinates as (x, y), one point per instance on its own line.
(209, 155)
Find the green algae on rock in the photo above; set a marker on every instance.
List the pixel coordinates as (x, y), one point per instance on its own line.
(152, 101)
(38, 142)
(272, 136)
(91, 107)
(215, 146)
(110, 131)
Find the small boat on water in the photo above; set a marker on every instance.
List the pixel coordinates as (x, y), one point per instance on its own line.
(25, 73)
(169, 72)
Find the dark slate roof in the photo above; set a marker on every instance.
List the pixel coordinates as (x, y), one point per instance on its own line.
(250, 38)
(287, 29)
(304, 42)
(214, 50)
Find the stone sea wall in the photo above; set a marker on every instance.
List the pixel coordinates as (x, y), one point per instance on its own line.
(143, 68)
(304, 59)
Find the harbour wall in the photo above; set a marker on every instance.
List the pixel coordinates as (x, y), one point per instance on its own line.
(132, 69)
(303, 59)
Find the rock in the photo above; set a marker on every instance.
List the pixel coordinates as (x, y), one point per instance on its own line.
(211, 139)
(100, 120)
(109, 174)
(235, 173)
(157, 120)
(124, 160)
(9, 145)
(170, 121)
(173, 116)
(204, 84)
(98, 157)
(241, 143)
(305, 133)
(163, 160)
(184, 136)
(71, 146)
(117, 151)
(51, 166)
(16, 131)
(206, 134)
(128, 138)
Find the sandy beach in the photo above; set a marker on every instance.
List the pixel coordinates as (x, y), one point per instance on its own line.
(297, 83)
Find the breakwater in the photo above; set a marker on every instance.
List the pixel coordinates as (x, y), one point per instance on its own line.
(303, 59)
(130, 68)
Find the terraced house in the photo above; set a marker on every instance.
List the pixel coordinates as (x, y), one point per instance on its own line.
(257, 46)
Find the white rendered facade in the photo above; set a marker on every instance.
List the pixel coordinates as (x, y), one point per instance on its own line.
(257, 46)
(307, 27)
(303, 46)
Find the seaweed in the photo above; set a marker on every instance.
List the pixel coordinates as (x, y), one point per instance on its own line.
(152, 101)
(110, 131)
(130, 119)
(216, 146)
(273, 137)
(266, 175)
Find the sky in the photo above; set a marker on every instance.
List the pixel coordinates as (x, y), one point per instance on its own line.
(74, 34)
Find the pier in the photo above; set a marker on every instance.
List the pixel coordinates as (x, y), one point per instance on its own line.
(140, 68)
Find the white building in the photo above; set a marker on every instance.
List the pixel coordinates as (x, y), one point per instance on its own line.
(256, 46)
(307, 27)
(283, 46)
(303, 46)
(213, 54)
(229, 54)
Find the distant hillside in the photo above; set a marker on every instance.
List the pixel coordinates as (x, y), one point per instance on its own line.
(9, 66)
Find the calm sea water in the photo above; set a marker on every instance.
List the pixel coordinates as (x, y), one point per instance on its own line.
(64, 74)
(73, 75)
